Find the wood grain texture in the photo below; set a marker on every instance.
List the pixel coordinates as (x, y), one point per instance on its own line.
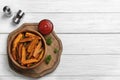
(84, 65)
(83, 44)
(89, 30)
(63, 5)
(83, 23)
(61, 78)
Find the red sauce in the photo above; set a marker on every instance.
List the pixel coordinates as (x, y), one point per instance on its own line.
(45, 27)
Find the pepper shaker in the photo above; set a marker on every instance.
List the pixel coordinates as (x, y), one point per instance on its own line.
(18, 16)
(7, 11)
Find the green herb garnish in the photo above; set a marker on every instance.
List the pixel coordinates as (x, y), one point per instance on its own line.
(32, 64)
(56, 50)
(47, 59)
(49, 41)
(23, 36)
(25, 43)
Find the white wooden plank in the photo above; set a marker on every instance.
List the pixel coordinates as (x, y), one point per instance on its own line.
(45, 78)
(97, 44)
(69, 22)
(60, 78)
(77, 65)
(63, 5)
(90, 44)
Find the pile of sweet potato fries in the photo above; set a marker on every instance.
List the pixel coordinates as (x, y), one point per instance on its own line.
(27, 49)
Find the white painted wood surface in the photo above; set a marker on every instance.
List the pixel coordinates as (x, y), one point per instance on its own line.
(89, 30)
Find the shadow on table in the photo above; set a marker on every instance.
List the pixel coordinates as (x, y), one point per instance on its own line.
(7, 19)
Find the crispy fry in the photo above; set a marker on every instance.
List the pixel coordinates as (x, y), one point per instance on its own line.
(32, 35)
(32, 45)
(40, 50)
(36, 57)
(37, 49)
(20, 50)
(28, 34)
(29, 50)
(27, 39)
(17, 39)
(41, 55)
(23, 55)
(29, 61)
(30, 55)
(38, 53)
(15, 43)
(17, 48)
(17, 56)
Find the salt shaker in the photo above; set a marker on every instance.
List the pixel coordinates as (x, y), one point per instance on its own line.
(18, 17)
(7, 11)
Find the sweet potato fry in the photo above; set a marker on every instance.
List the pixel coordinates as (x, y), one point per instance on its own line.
(30, 55)
(36, 57)
(32, 35)
(17, 56)
(17, 39)
(32, 45)
(15, 43)
(37, 49)
(29, 61)
(27, 49)
(28, 34)
(40, 50)
(17, 48)
(23, 55)
(27, 39)
(20, 52)
(41, 55)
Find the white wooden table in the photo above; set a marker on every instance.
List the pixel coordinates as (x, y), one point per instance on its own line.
(89, 30)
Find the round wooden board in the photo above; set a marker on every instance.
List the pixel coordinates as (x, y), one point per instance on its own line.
(43, 68)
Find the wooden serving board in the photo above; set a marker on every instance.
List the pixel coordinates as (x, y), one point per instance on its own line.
(43, 68)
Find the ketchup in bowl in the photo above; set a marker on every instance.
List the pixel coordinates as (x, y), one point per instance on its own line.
(45, 27)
